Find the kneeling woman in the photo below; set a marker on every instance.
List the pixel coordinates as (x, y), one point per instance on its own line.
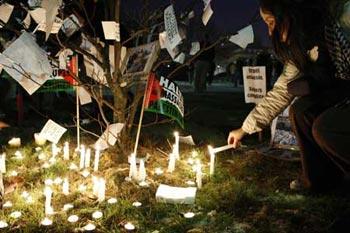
(315, 51)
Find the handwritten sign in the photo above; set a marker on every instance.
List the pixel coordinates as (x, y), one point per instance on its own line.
(70, 25)
(171, 27)
(52, 131)
(254, 78)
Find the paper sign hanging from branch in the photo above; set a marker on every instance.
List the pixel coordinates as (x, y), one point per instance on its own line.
(111, 30)
(52, 131)
(84, 96)
(27, 63)
(109, 136)
(5, 12)
(70, 25)
(207, 14)
(51, 7)
(244, 37)
(171, 27)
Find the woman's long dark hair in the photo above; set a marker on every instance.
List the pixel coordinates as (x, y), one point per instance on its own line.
(303, 21)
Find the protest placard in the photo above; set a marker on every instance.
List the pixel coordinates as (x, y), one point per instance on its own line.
(52, 131)
(111, 30)
(171, 27)
(254, 78)
(27, 63)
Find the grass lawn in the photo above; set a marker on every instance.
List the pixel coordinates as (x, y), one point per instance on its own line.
(248, 193)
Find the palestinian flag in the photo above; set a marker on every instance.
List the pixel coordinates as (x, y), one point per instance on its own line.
(164, 96)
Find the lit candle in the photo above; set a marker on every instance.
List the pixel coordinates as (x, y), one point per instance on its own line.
(89, 227)
(65, 187)
(189, 215)
(16, 214)
(87, 157)
(66, 151)
(133, 167)
(82, 157)
(3, 163)
(101, 190)
(39, 140)
(73, 218)
(46, 222)
(112, 200)
(129, 226)
(97, 159)
(136, 204)
(142, 171)
(212, 160)
(54, 150)
(7, 204)
(199, 174)
(15, 142)
(95, 185)
(3, 224)
(97, 214)
(48, 196)
(176, 145)
(172, 160)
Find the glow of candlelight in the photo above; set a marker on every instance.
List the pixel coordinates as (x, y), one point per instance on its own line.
(129, 226)
(16, 214)
(46, 222)
(189, 215)
(158, 171)
(136, 204)
(112, 200)
(39, 140)
(73, 218)
(3, 224)
(97, 214)
(68, 206)
(89, 227)
(142, 171)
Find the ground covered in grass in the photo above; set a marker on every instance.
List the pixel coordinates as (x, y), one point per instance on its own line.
(248, 193)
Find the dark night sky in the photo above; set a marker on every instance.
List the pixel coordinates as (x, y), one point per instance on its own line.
(229, 15)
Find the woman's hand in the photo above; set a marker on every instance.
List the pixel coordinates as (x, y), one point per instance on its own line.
(235, 137)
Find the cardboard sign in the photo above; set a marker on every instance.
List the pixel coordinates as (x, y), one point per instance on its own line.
(244, 37)
(5, 12)
(254, 78)
(52, 131)
(111, 30)
(27, 63)
(109, 136)
(70, 25)
(171, 27)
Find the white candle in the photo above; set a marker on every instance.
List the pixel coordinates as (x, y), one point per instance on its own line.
(101, 190)
(95, 185)
(15, 142)
(3, 224)
(176, 145)
(142, 171)
(136, 204)
(223, 148)
(172, 160)
(133, 167)
(82, 157)
(46, 222)
(66, 151)
(65, 187)
(39, 140)
(97, 159)
(3, 163)
(87, 157)
(199, 174)
(189, 215)
(48, 196)
(54, 150)
(212, 160)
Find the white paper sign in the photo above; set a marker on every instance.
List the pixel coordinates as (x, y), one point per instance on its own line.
(176, 195)
(254, 78)
(180, 58)
(27, 63)
(34, 3)
(207, 14)
(111, 30)
(55, 27)
(196, 47)
(244, 37)
(187, 140)
(52, 131)
(5, 12)
(84, 96)
(39, 15)
(162, 40)
(27, 21)
(70, 25)
(171, 27)
(51, 7)
(109, 136)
